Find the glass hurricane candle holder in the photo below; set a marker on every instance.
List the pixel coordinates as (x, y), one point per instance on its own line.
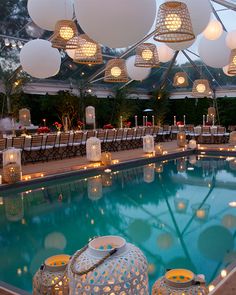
(181, 139)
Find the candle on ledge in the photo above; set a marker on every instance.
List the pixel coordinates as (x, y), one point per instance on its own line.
(146, 117)
(121, 122)
(213, 121)
(203, 120)
(143, 120)
(184, 120)
(153, 121)
(136, 120)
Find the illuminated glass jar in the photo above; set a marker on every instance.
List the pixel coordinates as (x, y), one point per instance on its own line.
(201, 212)
(108, 265)
(181, 205)
(148, 144)
(93, 149)
(107, 179)
(192, 144)
(181, 139)
(106, 158)
(149, 173)
(11, 165)
(24, 117)
(51, 278)
(158, 149)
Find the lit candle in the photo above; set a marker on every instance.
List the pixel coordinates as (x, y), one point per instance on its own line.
(153, 121)
(207, 118)
(174, 120)
(121, 122)
(66, 124)
(44, 122)
(143, 120)
(146, 120)
(184, 119)
(136, 121)
(203, 120)
(213, 122)
(0, 179)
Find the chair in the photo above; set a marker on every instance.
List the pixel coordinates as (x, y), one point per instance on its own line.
(48, 150)
(32, 150)
(138, 137)
(101, 134)
(109, 142)
(19, 142)
(232, 138)
(166, 132)
(127, 141)
(219, 136)
(206, 136)
(77, 144)
(61, 149)
(117, 143)
(3, 145)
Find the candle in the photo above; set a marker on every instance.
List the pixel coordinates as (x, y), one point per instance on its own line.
(146, 120)
(174, 120)
(0, 179)
(66, 124)
(213, 121)
(44, 122)
(184, 119)
(121, 122)
(153, 121)
(143, 120)
(136, 121)
(207, 118)
(203, 120)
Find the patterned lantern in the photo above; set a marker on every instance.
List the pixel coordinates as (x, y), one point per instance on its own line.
(192, 144)
(106, 159)
(108, 265)
(24, 117)
(149, 173)
(65, 30)
(90, 115)
(201, 212)
(181, 205)
(181, 79)
(146, 56)
(173, 23)
(11, 165)
(95, 188)
(51, 278)
(158, 149)
(107, 179)
(232, 63)
(11, 155)
(181, 165)
(159, 167)
(179, 282)
(88, 51)
(201, 88)
(93, 149)
(148, 144)
(14, 208)
(116, 71)
(181, 139)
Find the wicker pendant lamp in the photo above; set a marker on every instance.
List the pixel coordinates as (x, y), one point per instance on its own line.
(116, 71)
(65, 30)
(232, 63)
(173, 23)
(147, 56)
(88, 51)
(180, 79)
(201, 88)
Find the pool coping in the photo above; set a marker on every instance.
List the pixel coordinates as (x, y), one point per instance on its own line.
(12, 289)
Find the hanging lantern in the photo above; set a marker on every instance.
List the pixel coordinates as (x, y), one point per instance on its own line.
(108, 265)
(201, 212)
(95, 188)
(146, 56)
(107, 179)
(149, 173)
(148, 144)
(24, 117)
(181, 79)
(106, 159)
(201, 88)
(65, 30)
(11, 165)
(181, 205)
(159, 168)
(72, 45)
(88, 51)
(90, 115)
(192, 144)
(179, 282)
(181, 139)
(181, 165)
(116, 71)
(158, 149)
(213, 30)
(232, 63)
(93, 149)
(14, 208)
(173, 23)
(51, 278)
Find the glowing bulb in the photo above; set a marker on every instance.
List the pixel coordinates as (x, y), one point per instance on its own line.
(232, 204)
(223, 273)
(173, 22)
(89, 49)
(66, 33)
(180, 80)
(11, 157)
(201, 88)
(211, 288)
(147, 54)
(116, 72)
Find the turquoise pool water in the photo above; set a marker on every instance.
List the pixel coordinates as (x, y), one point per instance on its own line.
(177, 212)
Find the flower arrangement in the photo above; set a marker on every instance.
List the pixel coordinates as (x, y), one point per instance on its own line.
(180, 123)
(43, 130)
(80, 124)
(127, 124)
(149, 124)
(58, 126)
(108, 126)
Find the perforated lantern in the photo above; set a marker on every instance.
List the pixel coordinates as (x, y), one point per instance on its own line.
(116, 71)
(106, 158)
(24, 117)
(11, 165)
(51, 278)
(181, 139)
(149, 173)
(14, 208)
(108, 265)
(201, 88)
(180, 79)
(173, 23)
(148, 144)
(65, 30)
(146, 56)
(158, 149)
(90, 115)
(232, 63)
(95, 188)
(93, 149)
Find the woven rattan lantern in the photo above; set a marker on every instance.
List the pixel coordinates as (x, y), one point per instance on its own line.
(232, 63)
(146, 56)
(11, 165)
(106, 158)
(148, 144)
(181, 139)
(201, 88)
(173, 23)
(116, 71)
(90, 115)
(180, 79)
(95, 188)
(93, 149)
(179, 282)
(108, 265)
(14, 208)
(88, 51)
(24, 117)
(149, 173)
(65, 30)
(51, 278)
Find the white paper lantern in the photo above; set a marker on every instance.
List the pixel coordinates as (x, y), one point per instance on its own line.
(149, 173)
(123, 270)
(39, 59)
(93, 149)
(90, 115)
(165, 53)
(95, 188)
(231, 39)
(71, 53)
(136, 73)
(214, 53)
(225, 70)
(148, 143)
(47, 13)
(116, 24)
(214, 30)
(24, 117)
(192, 144)
(181, 45)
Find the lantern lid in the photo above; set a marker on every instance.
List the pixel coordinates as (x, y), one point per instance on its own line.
(179, 278)
(57, 262)
(101, 246)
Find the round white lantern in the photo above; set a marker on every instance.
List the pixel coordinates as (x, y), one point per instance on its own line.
(116, 24)
(47, 13)
(214, 30)
(214, 53)
(95, 188)
(39, 59)
(24, 117)
(149, 173)
(93, 149)
(192, 144)
(108, 265)
(181, 45)
(231, 39)
(90, 115)
(165, 53)
(148, 144)
(136, 73)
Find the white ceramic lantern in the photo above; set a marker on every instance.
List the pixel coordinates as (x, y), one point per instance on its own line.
(11, 165)
(181, 139)
(24, 117)
(14, 208)
(149, 173)
(148, 144)
(51, 278)
(192, 144)
(95, 188)
(90, 115)
(93, 149)
(108, 265)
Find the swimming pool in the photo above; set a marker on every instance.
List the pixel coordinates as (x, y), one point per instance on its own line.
(179, 212)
